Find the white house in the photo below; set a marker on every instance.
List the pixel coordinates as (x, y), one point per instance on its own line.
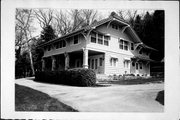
(109, 47)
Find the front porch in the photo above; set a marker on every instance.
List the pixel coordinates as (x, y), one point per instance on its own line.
(83, 58)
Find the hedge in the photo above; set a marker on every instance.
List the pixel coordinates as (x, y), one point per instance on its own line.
(73, 77)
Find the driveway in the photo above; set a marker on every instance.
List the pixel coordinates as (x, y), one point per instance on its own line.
(114, 98)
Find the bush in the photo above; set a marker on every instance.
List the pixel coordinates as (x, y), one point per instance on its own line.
(74, 77)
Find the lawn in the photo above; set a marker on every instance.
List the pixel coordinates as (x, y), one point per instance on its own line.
(27, 99)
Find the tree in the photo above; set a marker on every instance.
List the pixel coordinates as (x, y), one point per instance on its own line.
(63, 23)
(128, 15)
(24, 31)
(68, 21)
(44, 16)
(47, 33)
(138, 26)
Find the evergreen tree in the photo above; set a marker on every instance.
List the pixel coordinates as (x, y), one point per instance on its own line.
(48, 33)
(138, 26)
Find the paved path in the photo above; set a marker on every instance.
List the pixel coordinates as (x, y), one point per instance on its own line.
(115, 98)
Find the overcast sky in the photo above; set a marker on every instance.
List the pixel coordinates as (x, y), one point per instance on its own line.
(102, 13)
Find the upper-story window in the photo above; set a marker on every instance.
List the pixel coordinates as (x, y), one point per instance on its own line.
(60, 44)
(93, 37)
(106, 40)
(100, 38)
(76, 41)
(140, 65)
(123, 44)
(132, 46)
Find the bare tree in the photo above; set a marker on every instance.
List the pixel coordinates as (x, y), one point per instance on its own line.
(24, 30)
(128, 15)
(68, 21)
(89, 15)
(62, 23)
(44, 16)
(77, 19)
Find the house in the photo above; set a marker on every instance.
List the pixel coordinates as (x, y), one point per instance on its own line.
(109, 47)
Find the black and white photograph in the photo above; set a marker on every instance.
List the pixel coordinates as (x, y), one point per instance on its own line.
(93, 60)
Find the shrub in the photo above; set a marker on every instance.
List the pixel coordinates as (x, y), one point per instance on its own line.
(74, 77)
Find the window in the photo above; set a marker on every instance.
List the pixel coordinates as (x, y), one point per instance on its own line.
(126, 64)
(60, 44)
(133, 64)
(63, 43)
(100, 61)
(93, 37)
(76, 39)
(140, 65)
(123, 44)
(106, 40)
(132, 46)
(96, 62)
(100, 39)
(113, 61)
(136, 66)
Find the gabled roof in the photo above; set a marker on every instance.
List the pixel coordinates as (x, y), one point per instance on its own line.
(96, 24)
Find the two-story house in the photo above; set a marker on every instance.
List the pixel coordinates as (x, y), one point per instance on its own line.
(109, 47)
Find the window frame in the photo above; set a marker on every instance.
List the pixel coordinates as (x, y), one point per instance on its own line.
(123, 44)
(106, 40)
(76, 39)
(94, 37)
(140, 66)
(100, 39)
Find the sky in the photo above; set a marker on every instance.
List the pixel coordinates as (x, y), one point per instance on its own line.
(102, 13)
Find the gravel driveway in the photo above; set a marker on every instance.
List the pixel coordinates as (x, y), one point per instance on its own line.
(114, 98)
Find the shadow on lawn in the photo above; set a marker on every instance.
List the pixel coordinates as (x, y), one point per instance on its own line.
(27, 99)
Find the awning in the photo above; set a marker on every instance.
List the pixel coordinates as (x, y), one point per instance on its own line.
(127, 59)
(113, 57)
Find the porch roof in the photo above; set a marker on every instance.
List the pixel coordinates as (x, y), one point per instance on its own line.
(142, 58)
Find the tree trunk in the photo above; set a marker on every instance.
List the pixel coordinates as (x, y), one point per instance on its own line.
(31, 61)
(30, 54)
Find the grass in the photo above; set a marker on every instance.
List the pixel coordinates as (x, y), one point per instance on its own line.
(133, 81)
(27, 99)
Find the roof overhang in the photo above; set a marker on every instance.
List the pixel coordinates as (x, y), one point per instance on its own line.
(62, 37)
(139, 58)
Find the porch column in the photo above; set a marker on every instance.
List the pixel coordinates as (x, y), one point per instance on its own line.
(53, 63)
(66, 55)
(85, 58)
(43, 64)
